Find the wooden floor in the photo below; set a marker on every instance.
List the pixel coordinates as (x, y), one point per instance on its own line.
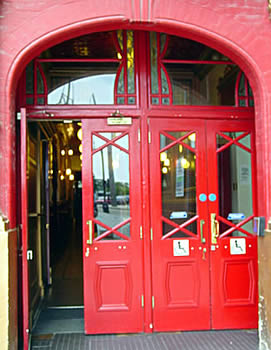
(67, 274)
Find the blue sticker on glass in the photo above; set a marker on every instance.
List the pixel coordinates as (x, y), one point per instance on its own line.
(236, 216)
(212, 197)
(202, 197)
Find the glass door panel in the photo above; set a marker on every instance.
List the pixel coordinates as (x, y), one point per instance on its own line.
(235, 183)
(178, 182)
(233, 252)
(111, 183)
(180, 267)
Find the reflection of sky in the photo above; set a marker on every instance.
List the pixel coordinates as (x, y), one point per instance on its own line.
(120, 162)
(97, 89)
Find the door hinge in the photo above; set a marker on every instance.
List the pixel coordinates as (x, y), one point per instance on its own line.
(141, 232)
(142, 301)
(29, 255)
(151, 234)
(152, 302)
(149, 136)
(138, 135)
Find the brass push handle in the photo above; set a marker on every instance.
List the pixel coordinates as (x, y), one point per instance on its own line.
(214, 228)
(89, 223)
(203, 240)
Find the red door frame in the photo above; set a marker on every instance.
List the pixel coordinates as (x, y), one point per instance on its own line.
(144, 112)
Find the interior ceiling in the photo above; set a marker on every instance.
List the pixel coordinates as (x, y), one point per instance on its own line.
(66, 133)
(95, 45)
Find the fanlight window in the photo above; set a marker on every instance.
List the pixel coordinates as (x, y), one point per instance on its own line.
(101, 69)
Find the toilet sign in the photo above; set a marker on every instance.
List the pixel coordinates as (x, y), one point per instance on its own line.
(181, 247)
(238, 246)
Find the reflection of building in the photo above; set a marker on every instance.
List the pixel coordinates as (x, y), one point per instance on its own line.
(176, 70)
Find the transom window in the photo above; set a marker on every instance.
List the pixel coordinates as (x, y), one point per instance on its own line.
(101, 69)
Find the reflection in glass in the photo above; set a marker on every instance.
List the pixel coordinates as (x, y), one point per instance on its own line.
(235, 182)
(91, 90)
(80, 83)
(178, 184)
(111, 189)
(202, 84)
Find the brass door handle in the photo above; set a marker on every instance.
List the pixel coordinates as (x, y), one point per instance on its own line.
(89, 223)
(202, 238)
(214, 228)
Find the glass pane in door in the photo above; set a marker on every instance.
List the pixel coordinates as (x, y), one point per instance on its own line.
(235, 181)
(178, 183)
(111, 183)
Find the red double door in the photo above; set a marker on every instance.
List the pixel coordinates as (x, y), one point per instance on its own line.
(202, 203)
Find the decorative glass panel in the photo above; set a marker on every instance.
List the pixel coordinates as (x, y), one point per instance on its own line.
(235, 183)
(154, 72)
(242, 88)
(165, 89)
(130, 62)
(121, 82)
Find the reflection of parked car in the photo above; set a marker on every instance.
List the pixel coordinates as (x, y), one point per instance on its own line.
(122, 199)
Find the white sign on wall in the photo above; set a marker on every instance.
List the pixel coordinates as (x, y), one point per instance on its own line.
(181, 247)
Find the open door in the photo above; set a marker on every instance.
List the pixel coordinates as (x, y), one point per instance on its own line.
(113, 280)
(24, 217)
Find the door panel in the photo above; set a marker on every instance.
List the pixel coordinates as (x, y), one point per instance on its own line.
(113, 277)
(234, 250)
(204, 252)
(178, 216)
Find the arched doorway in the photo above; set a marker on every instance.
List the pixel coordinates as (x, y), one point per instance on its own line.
(168, 178)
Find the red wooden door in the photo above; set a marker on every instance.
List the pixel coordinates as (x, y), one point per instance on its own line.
(24, 219)
(202, 177)
(232, 206)
(112, 248)
(180, 258)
